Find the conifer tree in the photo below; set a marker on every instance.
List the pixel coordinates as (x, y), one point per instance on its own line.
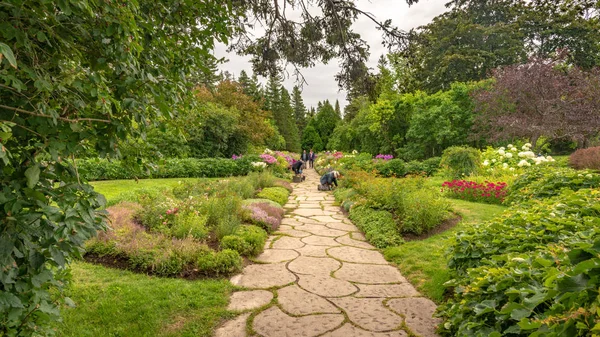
(325, 121)
(337, 109)
(286, 122)
(299, 109)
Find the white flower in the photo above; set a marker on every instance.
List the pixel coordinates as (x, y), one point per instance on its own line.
(505, 166)
(526, 154)
(523, 163)
(493, 160)
(502, 148)
(354, 152)
(512, 168)
(501, 151)
(589, 176)
(259, 164)
(508, 155)
(509, 146)
(552, 214)
(514, 149)
(580, 175)
(486, 162)
(527, 144)
(267, 151)
(549, 158)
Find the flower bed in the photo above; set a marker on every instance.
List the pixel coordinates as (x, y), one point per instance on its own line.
(487, 192)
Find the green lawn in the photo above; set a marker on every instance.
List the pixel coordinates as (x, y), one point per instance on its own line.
(114, 190)
(424, 262)
(112, 302)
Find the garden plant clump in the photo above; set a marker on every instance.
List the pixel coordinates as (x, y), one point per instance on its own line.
(586, 158)
(511, 159)
(533, 270)
(487, 192)
(196, 228)
(412, 207)
(385, 165)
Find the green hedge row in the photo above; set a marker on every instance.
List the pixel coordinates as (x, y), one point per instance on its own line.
(103, 169)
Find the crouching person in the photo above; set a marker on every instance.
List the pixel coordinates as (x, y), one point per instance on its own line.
(328, 180)
(297, 168)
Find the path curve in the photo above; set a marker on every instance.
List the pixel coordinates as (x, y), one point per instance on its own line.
(319, 277)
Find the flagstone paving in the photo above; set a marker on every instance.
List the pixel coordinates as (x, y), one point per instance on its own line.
(318, 276)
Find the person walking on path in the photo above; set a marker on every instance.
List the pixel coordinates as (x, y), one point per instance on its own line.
(328, 180)
(311, 158)
(304, 156)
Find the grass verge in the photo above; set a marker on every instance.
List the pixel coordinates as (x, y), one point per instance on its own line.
(424, 262)
(123, 190)
(112, 302)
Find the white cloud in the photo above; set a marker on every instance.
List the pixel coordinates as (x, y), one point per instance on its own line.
(321, 83)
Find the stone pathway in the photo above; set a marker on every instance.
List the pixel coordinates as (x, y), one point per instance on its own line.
(319, 277)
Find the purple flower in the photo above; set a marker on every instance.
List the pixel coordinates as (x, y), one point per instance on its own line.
(267, 158)
(384, 156)
(234, 157)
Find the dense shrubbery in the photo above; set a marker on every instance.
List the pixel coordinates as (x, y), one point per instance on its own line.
(533, 270)
(503, 160)
(414, 207)
(461, 161)
(168, 231)
(156, 253)
(385, 168)
(586, 158)
(544, 182)
(379, 226)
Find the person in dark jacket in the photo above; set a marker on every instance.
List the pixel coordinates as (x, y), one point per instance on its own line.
(328, 180)
(304, 157)
(297, 166)
(311, 158)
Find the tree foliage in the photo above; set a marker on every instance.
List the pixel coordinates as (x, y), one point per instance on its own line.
(540, 98)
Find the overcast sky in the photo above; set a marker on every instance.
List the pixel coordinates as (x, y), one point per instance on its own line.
(321, 83)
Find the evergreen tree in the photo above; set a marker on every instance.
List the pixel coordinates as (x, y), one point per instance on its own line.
(286, 122)
(337, 109)
(299, 109)
(311, 138)
(325, 121)
(255, 89)
(244, 81)
(272, 94)
(312, 112)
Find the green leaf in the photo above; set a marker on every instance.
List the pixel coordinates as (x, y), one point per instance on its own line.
(69, 302)
(526, 324)
(7, 52)
(33, 175)
(573, 284)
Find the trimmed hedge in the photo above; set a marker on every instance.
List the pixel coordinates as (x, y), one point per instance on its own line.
(103, 169)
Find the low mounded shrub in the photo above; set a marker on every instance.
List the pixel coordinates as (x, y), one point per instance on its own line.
(391, 168)
(586, 158)
(544, 182)
(424, 210)
(531, 272)
(461, 161)
(278, 194)
(247, 240)
(267, 215)
(283, 183)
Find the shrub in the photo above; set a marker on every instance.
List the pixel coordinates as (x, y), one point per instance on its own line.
(379, 226)
(545, 182)
(255, 201)
(248, 241)
(488, 192)
(261, 180)
(190, 224)
(461, 161)
(225, 262)
(277, 194)
(532, 271)
(423, 211)
(431, 165)
(154, 253)
(511, 159)
(391, 168)
(265, 214)
(586, 158)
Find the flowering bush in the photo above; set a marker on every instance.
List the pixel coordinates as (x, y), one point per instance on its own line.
(511, 159)
(488, 192)
(338, 155)
(269, 159)
(236, 157)
(265, 214)
(384, 156)
(258, 165)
